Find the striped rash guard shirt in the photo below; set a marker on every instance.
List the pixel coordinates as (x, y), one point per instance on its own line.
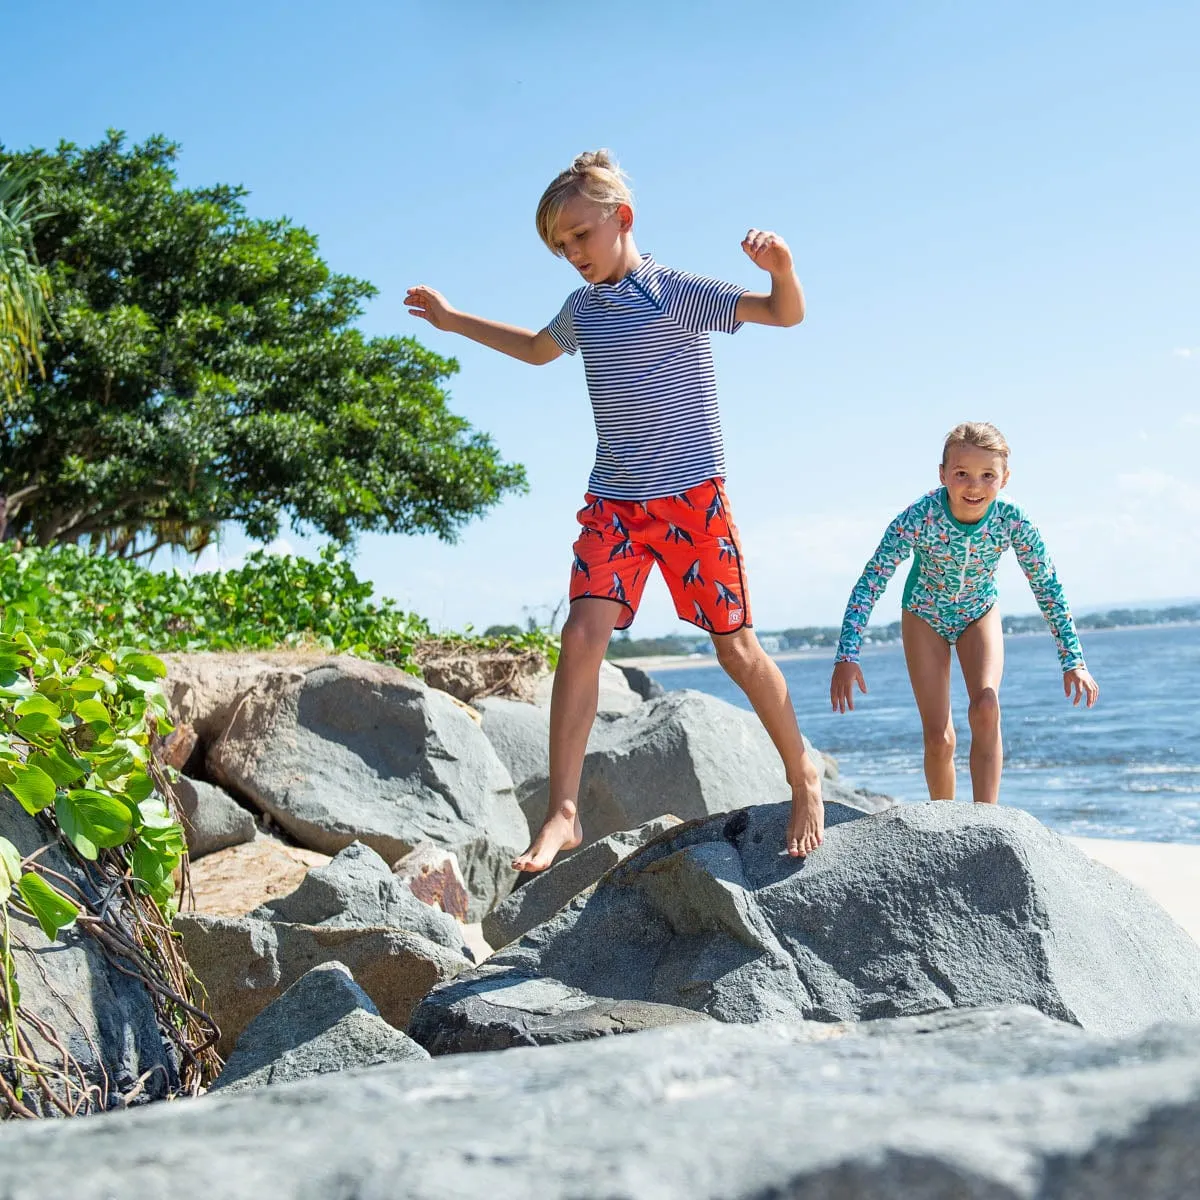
(650, 377)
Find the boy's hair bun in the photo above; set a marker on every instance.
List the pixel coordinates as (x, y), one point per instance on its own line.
(594, 158)
(594, 174)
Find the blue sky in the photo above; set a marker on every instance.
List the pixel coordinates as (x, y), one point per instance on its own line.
(992, 208)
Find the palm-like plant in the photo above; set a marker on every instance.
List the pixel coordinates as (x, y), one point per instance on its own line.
(24, 289)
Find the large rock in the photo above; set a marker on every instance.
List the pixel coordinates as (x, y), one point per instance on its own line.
(204, 690)
(103, 1017)
(245, 964)
(358, 888)
(955, 1106)
(520, 735)
(324, 1022)
(212, 819)
(917, 908)
(499, 1008)
(685, 753)
(343, 750)
(547, 892)
(615, 698)
(641, 681)
(233, 882)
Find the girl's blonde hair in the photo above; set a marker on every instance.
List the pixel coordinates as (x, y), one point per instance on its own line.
(976, 433)
(594, 174)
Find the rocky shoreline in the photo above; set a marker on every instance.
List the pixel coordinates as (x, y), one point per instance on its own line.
(941, 1001)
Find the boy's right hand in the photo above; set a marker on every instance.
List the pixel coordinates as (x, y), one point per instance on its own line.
(425, 302)
(841, 687)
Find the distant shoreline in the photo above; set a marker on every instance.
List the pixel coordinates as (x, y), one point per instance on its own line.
(676, 662)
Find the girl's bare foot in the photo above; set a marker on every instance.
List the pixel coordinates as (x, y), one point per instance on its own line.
(560, 831)
(806, 827)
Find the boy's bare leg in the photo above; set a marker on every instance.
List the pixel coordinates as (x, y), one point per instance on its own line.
(981, 657)
(573, 703)
(928, 657)
(753, 670)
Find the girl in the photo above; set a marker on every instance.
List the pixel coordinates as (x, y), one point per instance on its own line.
(958, 533)
(656, 497)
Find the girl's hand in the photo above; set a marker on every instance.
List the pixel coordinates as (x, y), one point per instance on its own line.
(425, 302)
(768, 250)
(841, 687)
(1079, 680)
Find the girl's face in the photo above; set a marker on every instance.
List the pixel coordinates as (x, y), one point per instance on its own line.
(974, 478)
(593, 241)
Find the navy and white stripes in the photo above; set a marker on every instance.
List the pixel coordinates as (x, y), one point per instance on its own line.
(650, 377)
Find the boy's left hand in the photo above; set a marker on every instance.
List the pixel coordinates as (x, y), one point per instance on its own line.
(1079, 680)
(768, 250)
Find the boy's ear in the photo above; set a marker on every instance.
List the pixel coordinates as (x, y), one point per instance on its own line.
(941, 473)
(624, 217)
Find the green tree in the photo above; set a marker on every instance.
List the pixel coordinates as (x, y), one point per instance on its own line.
(209, 371)
(23, 285)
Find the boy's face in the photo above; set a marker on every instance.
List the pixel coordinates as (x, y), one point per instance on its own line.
(592, 240)
(974, 478)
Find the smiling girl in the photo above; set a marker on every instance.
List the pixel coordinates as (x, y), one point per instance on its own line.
(957, 534)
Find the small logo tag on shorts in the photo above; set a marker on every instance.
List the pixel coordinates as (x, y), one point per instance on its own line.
(735, 615)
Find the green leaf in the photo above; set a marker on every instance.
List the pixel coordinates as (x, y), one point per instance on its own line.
(37, 704)
(145, 666)
(32, 786)
(93, 821)
(62, 766)
(37, 725)
(10, 868)
(151, 868)
(93, 712)
(52, 909)
(154, 812)
(87, 685)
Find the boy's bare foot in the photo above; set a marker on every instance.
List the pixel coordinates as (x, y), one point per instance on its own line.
(806, 827)
(560, 831)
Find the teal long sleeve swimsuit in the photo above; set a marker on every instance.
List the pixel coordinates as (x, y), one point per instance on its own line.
(953, 577)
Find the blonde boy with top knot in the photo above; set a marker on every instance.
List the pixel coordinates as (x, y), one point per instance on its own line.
(656, 495)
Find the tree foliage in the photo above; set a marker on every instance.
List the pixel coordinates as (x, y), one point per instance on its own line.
(23, 285)
(209, 370)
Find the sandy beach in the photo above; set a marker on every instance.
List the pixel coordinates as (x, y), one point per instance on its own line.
(1170, 872)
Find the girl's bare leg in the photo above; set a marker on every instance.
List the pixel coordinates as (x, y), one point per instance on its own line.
(573, 704)
(928, 657)
(755, 672)
(981, 657)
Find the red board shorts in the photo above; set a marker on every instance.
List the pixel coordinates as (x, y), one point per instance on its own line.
(690, 535)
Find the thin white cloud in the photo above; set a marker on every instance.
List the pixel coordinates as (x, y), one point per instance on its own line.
(1190, 420)
(1186, 352)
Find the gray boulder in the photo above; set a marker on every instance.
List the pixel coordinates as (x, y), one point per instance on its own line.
(685, 753)
(955, 1106)
(104, 1018)
(245, 964)
(546, 892)
(343, 750)
(921, 907)
(616, 696)
(212, 819)
(324, 1022)
(641, 681)
(499, 1008)
(357, 889)
(520, 735)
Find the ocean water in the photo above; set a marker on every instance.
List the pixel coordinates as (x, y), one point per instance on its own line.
(1128, 768)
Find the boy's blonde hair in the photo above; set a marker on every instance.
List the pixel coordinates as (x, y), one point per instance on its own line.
(594, 174)
(976, 433)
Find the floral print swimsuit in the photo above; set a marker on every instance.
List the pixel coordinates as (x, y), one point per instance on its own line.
(953, 578)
